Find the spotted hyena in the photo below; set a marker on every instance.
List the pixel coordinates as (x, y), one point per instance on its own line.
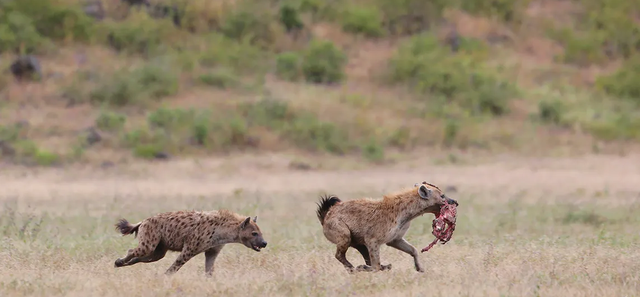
(366, 224)
(190, 233)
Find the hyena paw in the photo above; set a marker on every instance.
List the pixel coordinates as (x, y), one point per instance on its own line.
(364, 268)
(385, 267)
(119, 263)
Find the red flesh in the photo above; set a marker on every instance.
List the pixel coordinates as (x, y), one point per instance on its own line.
(446, 218)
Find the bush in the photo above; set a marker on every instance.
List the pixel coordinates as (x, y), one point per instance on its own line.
(288, 66)
(17, 32)
(624, 82)
(373, 151)
(450, 78)
(169, 119)
(363, 20)
(605, 30)
(147, 151)
(623, 126)
(45, 158)
(407, 17)
(28, 24)
(220, 78)
(244, 25)
(302, 128)
(110, 121)
(241, 58)
(323, 62)
(308, 132)
(508, 11)
(141, 34)
(135, 86)
(551, 111)
(290, 18)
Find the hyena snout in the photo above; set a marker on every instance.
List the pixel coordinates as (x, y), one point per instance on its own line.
(258, 244)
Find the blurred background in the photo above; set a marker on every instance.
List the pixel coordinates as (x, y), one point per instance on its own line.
(526, 112)
(106, 81)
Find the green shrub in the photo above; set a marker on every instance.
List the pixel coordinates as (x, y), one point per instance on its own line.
(604, 30)
(241, 58)
(451, 130)
(623, 126)
(453, 79)
(220, 78)
(267, 112)
(373, 151)
(288, 66)
(110, 121)
(401, 138)
(624, 82)
(290, 17)
(147, 151)
(169, 118)
(507, 11)
(17, 32)
(45, 158)
(323, 62)
(308, 132)
(140, 34)
(363, 20)
(551, 111)
(304, 129)
(28, 23)
(135, 86)
(407, 17)
(246, 25)
(69, 23)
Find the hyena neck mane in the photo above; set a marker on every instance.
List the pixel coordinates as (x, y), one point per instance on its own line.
(227, 226)
(404, 206)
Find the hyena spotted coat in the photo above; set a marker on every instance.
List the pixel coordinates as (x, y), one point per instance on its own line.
(190, 233)
(366, 224)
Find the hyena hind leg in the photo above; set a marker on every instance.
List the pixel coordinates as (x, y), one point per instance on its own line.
(158, 253)
(146, 247)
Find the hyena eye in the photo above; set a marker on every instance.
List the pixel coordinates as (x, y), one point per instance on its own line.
(254, 233)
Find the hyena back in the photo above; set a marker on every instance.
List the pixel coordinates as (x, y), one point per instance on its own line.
(190, 233)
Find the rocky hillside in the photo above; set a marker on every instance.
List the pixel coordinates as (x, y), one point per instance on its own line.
(111, 80)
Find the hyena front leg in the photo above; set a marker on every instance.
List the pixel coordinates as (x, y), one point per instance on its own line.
(184, 256)
(403, 245)
(364, 251)
(210, 257)
(374, 256)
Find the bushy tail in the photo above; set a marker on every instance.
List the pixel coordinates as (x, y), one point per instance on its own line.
(126, 228)
(326, 202)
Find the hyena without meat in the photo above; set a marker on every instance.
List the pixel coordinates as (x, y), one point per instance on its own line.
(190, 233)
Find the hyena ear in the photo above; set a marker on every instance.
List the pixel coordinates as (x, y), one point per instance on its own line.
(245, 223)
(424, 192)
(255, 219)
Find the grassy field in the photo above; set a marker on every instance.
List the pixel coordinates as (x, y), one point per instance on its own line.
(526, 227)
(527, 111)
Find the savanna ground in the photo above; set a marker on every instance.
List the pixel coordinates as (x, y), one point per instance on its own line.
(526, 227)
(529, 109)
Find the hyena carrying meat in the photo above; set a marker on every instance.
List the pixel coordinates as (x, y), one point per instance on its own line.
(190, 233)
(366, 224)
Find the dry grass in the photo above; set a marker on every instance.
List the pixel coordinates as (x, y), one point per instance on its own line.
(539, 227)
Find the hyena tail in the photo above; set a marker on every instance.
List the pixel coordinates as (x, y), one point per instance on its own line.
(126, 228)
(326, 202)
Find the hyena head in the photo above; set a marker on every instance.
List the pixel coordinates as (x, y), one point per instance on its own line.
(430, 198)
(250, 234)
